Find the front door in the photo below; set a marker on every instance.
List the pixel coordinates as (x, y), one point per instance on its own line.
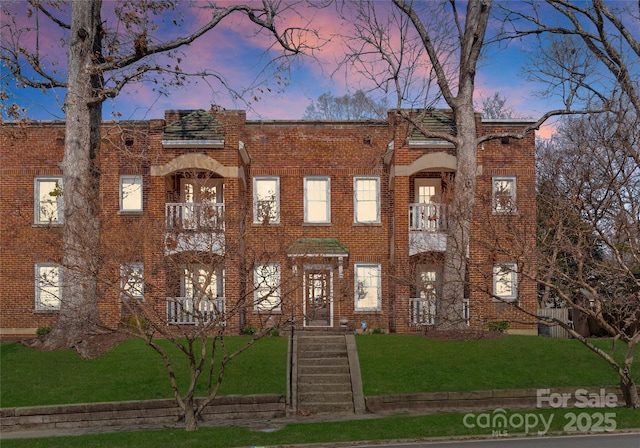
(318, 301)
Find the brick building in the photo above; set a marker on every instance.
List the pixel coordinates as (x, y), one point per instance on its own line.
(323, 224)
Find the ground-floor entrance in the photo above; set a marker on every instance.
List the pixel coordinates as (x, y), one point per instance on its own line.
(318, 296)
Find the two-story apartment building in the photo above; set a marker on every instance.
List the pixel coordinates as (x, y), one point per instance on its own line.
(319, 224)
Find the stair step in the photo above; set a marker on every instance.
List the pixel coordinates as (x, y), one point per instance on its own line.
(323, 362)
(325, 397)
(325, 407)
(322, 387)
(304, 353)
(324, 378)
(322, 370)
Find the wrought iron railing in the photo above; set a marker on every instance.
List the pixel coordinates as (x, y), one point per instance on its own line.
(196, 216)
(191, 311)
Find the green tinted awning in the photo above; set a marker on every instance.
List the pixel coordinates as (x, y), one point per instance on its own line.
(315, 247)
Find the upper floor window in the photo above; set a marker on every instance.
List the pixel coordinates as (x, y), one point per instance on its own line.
(48, 286)
(48, 204)
(317, 200)
(505, 281)
(368, 287)
(131, 193)
(266, 200)
(504, 194)
(132, 280)
(366, 199)
(266, 284)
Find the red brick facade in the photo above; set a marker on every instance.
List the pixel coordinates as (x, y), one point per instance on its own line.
(329, 176)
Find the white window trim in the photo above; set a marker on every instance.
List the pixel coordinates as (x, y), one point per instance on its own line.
(355, 199)
(36, 200)
(514, 195)
(39, 306)
(274, 303)
(256, 218)
(131, 179)
(356, 281)
(327, 200)
(512, 270)
(126, 285)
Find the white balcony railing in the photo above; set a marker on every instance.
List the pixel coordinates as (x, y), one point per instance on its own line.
(194, 216)
(190, 311)
(422, 311)
(427, 217)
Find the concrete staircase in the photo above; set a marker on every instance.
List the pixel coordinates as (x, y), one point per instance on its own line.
(325, 374)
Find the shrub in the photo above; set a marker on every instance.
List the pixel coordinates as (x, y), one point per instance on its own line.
(274, 332)
(248, 330)
(43, 331)
(500, 326)
(377, 330)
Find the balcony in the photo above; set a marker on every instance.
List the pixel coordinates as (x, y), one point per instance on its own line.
(192, 311)
(427, 228)
(192, 226)
(422, 311)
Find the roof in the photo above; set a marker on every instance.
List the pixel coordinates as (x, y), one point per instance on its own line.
(198, 125)
(435, 120)
(328, 247)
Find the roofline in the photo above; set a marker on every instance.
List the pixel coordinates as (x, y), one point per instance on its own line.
(513, 121)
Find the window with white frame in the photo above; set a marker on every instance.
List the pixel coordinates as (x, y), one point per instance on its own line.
(48, 286)
(131, 193)
(366, 199)
(266, 283)
(48, 204)
(132, 280)
(505, 281)
(368, 288)
(504, 194)
(317, 200)
(266, 200)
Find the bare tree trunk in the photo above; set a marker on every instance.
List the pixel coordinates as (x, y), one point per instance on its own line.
(459, 215)
(81, 179)
(190, 417)
(629, 391)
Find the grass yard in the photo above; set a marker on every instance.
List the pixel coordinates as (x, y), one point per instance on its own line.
(398, 364)
(391, 364)
(130, 371)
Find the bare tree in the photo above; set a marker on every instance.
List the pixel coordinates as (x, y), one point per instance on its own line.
(495, 107)
(590, 52)
(101, 62)
(358, 106)
(590, 240)
(191, 323)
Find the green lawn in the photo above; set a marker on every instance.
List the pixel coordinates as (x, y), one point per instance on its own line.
(131, 371)
(398, 364)
(390, 364)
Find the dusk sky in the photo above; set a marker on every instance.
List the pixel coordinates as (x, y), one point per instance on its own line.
(232, 50)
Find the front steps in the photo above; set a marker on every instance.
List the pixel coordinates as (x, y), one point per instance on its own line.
(324, 374)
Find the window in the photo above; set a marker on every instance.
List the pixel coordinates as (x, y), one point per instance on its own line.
(266, 200)
(266, 283)
(317, 200)
(504, 194)
(48, 204)
(48, 291)
(367, 287)
(366, 199)
(130, 193)
(505, 285)
(132, 280)
(202, 283)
